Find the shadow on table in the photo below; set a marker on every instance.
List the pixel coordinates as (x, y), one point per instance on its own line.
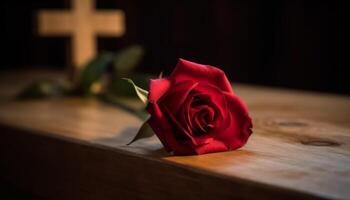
(147, 146)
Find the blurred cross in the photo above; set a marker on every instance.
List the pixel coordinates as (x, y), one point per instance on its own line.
(83, 24)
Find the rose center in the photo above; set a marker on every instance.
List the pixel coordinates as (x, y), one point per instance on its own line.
(201, 119)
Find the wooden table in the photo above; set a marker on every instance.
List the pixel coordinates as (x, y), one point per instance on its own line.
(75, 148)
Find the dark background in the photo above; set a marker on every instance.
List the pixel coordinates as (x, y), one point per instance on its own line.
(285, 43)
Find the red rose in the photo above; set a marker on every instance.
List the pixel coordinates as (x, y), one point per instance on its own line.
(194, 111)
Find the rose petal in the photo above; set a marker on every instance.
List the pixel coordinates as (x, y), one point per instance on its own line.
(199, 126)
(178, 94)
(158, 123)
(184, 114)
(164, 130)
(213, 97)
(186, 70)
(213, 146)
(240, 123)
(157, 88)
(197, 115)
(180, 127)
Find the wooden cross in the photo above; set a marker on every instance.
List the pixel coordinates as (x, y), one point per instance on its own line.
(82, 23)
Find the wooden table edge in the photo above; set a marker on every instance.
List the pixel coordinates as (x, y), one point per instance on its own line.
(226, 188)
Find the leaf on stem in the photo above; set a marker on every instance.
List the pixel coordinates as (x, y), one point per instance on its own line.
(141, 93)
(144, 132)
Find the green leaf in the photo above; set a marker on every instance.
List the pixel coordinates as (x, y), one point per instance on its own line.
(144, 132)
(127, 59)
(141, 93)
(94, 71)
(42, 89)
(123, 88)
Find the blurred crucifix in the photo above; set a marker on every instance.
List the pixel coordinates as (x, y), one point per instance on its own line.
(83, 24)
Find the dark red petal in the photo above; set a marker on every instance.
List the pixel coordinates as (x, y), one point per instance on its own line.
(158, 123)
(184, 114)
(164, 130)
(213, 146)
(203, 108)
(186, 70)
(175, 98)
(179, 126)
(152, 121)
(240, 124)
(192, 140)
(198, 117)
(213, 97)
(198, 124)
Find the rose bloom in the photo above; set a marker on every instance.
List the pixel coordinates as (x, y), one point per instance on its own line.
(194, 111)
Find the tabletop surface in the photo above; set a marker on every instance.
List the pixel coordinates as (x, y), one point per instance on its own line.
(300, 140)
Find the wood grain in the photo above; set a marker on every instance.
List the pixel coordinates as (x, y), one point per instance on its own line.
(75, 148)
